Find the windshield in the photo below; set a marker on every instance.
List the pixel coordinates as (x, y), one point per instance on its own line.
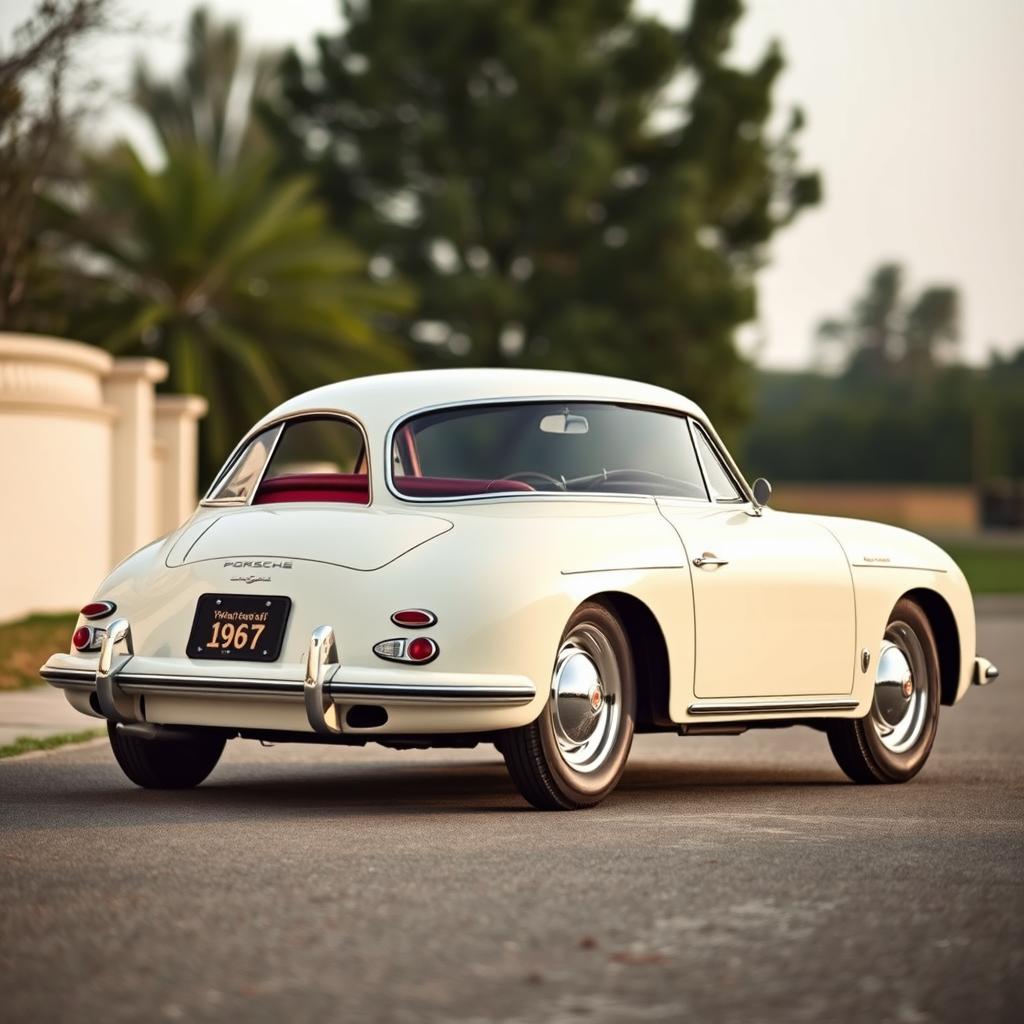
(553, 447)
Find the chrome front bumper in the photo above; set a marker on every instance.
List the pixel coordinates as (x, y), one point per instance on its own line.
(324, 685)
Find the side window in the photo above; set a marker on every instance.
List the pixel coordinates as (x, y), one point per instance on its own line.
(318, 458)
(719, 481)
(317, 447)
(237, 484)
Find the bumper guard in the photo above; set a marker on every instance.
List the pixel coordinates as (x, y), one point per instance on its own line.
(984, 672)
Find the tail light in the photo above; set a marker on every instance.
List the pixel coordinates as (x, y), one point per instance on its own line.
(414, 618)
(417, 651)
(98, 610)
(422, 648)
(88, 638)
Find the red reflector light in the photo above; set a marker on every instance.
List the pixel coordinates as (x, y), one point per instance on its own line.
(414, 618)
(82, 638)
(422, 648)
(98, 609)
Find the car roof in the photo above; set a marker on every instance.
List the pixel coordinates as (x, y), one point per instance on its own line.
(382, 399)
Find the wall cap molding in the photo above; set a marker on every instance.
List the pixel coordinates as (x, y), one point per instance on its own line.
(57, 410)
(139, 368)
(41, 348)
(192, 407)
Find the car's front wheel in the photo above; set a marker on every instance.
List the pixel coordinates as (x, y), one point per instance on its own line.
(180, 762)
(573, 754)
(893, 741)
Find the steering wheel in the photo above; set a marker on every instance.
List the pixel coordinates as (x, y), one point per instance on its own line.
(644, 474)
(525, 475)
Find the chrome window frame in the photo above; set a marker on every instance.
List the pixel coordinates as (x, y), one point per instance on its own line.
(688, 418)
(281, 422)
(744, 495)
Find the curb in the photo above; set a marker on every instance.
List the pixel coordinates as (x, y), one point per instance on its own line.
(30, 754)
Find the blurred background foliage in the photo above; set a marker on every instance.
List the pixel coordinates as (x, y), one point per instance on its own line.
(470, 182)
(567, 185)
(894, 404)
(485, 182)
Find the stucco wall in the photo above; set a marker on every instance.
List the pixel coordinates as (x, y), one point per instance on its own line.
(92, 466)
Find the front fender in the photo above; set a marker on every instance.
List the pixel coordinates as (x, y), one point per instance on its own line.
(888, 563)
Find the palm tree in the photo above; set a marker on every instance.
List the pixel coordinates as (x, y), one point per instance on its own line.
(212, 261)
(211, 101)
(234, 278)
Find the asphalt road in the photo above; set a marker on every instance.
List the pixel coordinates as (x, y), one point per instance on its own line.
(728, 879)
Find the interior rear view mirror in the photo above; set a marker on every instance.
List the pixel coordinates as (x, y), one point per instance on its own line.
(564, 423)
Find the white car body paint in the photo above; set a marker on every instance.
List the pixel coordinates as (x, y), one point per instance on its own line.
(786, 619)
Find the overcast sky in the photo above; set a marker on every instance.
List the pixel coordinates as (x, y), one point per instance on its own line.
(913, 111)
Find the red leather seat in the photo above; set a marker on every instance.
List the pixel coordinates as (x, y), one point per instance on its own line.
(347, 488)
(354, 488)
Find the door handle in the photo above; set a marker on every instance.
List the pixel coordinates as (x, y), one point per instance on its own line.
(709, 558)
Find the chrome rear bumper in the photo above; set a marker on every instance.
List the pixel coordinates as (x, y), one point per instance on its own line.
(325, 682)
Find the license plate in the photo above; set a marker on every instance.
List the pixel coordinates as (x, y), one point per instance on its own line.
(233, 627)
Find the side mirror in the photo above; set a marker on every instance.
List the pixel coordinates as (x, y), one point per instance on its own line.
(762, 492)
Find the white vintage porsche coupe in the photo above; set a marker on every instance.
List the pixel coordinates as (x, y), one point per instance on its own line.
(549, 562)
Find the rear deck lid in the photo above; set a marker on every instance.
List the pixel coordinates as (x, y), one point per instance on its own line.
(354, 538)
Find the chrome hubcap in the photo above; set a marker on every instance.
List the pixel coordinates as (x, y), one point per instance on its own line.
(899, 711)
(584, 707)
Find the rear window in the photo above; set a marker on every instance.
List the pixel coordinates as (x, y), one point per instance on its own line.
(320, 458)
(553, 447)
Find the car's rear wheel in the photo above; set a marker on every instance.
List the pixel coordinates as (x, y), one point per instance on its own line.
(893, 741)
(573, 754)
(180, 762)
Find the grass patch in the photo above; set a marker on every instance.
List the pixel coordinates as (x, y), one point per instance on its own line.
(26, 744)
(26, 644)
(990, 569)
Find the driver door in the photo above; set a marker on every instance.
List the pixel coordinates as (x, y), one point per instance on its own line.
(772, 593)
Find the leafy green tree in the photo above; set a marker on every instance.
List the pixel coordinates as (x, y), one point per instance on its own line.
(883, 332)
(235, 279)
(566, 184)
(932, 327)
(36, 117)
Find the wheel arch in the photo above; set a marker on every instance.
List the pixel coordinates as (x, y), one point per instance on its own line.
(947, 638)
(650, 655)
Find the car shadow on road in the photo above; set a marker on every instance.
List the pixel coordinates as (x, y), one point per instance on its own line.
(98, 794)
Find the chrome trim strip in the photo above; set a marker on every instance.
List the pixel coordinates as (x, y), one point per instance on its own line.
(507, 695)
(771, 707)
(510, 695)
(68, 677)
(209, 687)
(139, 681)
